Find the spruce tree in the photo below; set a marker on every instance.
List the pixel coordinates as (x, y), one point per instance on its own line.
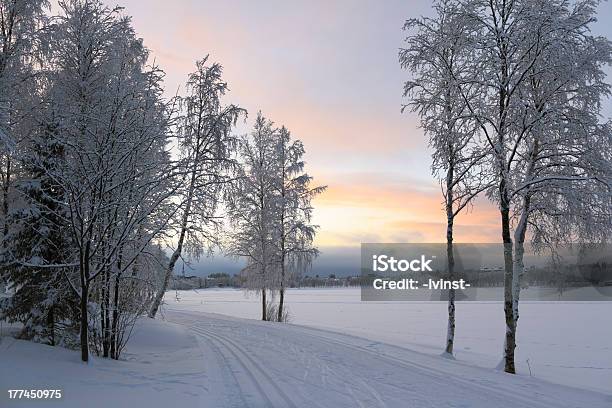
(37, 243)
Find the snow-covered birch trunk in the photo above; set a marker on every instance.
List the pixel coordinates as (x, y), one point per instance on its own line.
(510, 337)
(176, 254)
(450, 260)
(520, 231)
(518, 269)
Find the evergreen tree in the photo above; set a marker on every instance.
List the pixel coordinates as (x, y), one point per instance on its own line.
(35, 259)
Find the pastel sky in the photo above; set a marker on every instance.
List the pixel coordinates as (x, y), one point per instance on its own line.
(328, 71)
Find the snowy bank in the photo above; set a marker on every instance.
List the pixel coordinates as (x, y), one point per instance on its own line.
(162, 360)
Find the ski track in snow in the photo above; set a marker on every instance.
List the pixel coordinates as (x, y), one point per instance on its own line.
(283, 365)
(231, 352)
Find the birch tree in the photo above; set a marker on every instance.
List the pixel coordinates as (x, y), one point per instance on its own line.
(562, 192)
(514, 43)
(437, 54)
(270, 211)
(293, 213)
(251, 203)
(206, 145)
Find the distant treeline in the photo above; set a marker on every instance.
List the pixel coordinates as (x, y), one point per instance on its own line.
(225, 280)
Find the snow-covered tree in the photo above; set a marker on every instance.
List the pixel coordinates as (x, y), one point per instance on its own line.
(533, 79)
(562, 192)
(30, 228)
(113, 128)
(292, 213)
(99, 187)
(270, 211)
(206, 145)
(36, 241)
(20, 22)
(525, 60)
(504, 41)
(251, 203)
(437, 54)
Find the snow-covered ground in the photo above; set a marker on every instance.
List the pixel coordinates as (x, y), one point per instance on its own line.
(162, 360)
(566, 343)
(196, 357)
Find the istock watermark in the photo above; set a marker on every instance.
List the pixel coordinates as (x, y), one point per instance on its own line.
(422, 272)
(383, 263)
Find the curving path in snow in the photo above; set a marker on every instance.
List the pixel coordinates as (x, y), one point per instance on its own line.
(261, 364)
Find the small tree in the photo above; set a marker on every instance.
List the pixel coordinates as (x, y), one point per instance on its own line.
(295, 234)
(252, 210)
(270, 211)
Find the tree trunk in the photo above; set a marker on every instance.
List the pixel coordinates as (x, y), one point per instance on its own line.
(5, 201)
(115, 324)
(106, 314)
(264, 317)
(51, 325)
(504, 199)
(510, 339)
(281, 290)
(160, 293)
(84, 272)
(450, 259)
(283, 233)
(179, 247)
(176, 254)
(513, 267)
(84, 321)
(280, 303)
(114, 348)
(518, 266)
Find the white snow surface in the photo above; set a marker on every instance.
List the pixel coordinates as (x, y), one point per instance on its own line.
(565, 342)
(162, 361)
(196, 357)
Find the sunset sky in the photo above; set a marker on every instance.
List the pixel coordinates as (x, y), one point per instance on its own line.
(328, 71)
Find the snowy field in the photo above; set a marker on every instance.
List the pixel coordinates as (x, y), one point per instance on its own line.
(565, 343)
(340, 352)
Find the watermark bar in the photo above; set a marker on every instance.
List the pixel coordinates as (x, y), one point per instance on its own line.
(420, 272)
